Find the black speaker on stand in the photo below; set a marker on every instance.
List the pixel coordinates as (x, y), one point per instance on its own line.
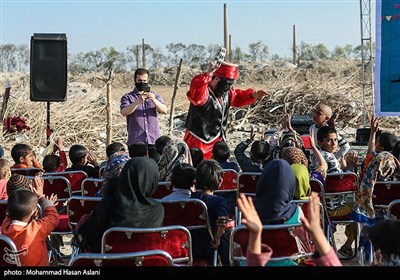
(48, 67)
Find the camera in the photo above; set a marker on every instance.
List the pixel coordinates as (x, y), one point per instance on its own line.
(146, 88)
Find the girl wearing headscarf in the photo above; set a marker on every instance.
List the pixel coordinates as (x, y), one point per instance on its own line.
(130, 206)
(174, 152)
(274, 193)
(133, 204)
(303, 188)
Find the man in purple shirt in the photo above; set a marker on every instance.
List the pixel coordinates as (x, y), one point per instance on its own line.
(140, 108)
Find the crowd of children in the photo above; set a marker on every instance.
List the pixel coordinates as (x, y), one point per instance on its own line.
(130, 179)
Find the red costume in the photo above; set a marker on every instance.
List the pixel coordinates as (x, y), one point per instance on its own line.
(208, 114)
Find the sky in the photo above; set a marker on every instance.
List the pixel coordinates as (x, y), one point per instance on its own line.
(92, 25)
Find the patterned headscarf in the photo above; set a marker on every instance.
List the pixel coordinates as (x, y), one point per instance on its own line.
(294, 155)
(112, 172)
(115, 164)
(174, 152)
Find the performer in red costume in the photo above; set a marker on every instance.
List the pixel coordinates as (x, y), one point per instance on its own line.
(210, 95)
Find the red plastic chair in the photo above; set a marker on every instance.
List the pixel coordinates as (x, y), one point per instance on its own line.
(347, 184)
(384, 193)
(247, 182)
(230, 179)
(175, 240)
(283, 239)
(228, 190)
(134, 259)
(75, 179)
(8, 250)
(77, 207)
(90, 186)
(164, 188)
(193, 215)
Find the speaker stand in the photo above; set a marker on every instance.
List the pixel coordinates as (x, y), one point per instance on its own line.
(48, 129)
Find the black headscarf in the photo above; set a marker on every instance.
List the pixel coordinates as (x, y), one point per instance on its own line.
(274, 192)
(133, 206)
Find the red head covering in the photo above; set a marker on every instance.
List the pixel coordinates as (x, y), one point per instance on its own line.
(227, 71)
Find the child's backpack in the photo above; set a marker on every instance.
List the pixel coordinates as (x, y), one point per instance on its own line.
(287, 139)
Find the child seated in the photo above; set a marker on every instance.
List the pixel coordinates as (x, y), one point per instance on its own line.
(221, 153)
(138, 149)
(259, 154)
(18, 181)
(208, 179)
(197, 156)
(182, 180)
(53, 162)
(83, 159)
(322, 115)
(337, 205)
(25, 228)
(5, 174)
(24, 157)
(110, 150)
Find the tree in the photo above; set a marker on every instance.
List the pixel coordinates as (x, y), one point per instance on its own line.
(177, 51)
(238, 55)
(132, 53)
(195, 53)
(258, 51)
(310, 52)
(23, 57)
(342, 52)
(157, 57)
(8, 63)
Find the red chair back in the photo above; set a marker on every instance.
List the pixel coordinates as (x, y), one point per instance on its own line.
(247, 182)
(164, 188)
(385, 192)
(281, 238)
(78, 206)
(176, 240)
(90, 186)
(75, 179)
(341, 182)
(134, 259)
(230, 180)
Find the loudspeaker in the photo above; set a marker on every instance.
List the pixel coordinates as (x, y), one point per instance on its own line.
(48, 79)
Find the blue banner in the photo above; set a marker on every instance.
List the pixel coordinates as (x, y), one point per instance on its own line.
(387, 63)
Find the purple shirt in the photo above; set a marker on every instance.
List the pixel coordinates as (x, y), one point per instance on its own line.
(142, 124)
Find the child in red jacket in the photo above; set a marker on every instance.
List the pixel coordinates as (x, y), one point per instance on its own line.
(23, 226)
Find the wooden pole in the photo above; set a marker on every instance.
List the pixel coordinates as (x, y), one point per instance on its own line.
(4, 106)
(171, 117)
(226, 40)
(230, 48)
(143, 54)
(109, 111)
(5, 100)
(108, 82)
(295, 57)
(137, 56)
